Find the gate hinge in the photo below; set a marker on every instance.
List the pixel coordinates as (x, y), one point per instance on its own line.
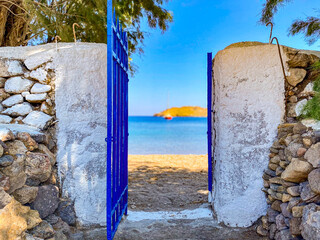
(106, 139)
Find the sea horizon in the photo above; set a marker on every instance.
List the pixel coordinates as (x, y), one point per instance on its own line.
(149, 135)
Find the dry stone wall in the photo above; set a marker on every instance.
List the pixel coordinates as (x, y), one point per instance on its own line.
(52, 148)
(292, 179)
(29, 184)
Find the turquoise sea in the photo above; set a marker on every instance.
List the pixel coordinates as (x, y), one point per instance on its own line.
(155, 135)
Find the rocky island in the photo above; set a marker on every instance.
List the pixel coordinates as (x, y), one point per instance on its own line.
(186, 111)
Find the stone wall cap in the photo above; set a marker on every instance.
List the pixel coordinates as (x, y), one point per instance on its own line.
(18, 128)
(23, 52)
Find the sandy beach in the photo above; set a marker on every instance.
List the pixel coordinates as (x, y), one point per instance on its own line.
(167, 182)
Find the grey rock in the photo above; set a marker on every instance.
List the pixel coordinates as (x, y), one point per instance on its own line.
(36, 60)
(295, 201)
(37, 119)
(45, 150)
(36, 98)
(15, 172)
(40, 75)
(5, 198)
(17, 85)
(4, 182)
(17, 110)
(10, 68)
(314, 180)
(299, 128)
(307, 194)
(285, 211)
(38, 166)
(77, 236)
(283, 235)
(292, 149)
(66, 212)
(280, 222)
(34, 132)
(16, 147)
(310, 224)
(313, 155)
(294, 191)
(5, 119)
(295, 226)
(6, 161)
(17, 181)
(272, 231)
(52, 219)
(60, 236)
(13, 100)
(272, 214)
(25, 194)
(63, 227)
(43, 230)
(40, 88)
(47, 200)
(270, 172)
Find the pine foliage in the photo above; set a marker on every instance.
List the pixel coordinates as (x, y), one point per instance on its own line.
(56, 17)
(49, 18)
(310, 26)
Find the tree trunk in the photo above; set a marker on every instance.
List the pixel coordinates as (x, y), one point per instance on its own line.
(13, 23)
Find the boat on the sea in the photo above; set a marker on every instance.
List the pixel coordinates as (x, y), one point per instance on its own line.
(168, 117)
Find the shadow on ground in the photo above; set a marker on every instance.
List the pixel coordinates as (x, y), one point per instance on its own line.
(154, 188)
(181, 230)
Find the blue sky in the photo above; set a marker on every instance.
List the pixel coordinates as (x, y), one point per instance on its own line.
(175, 62)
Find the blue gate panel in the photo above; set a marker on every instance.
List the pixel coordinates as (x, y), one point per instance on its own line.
(209, 119)
(117, 129)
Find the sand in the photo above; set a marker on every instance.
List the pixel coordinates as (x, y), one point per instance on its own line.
(167, 182)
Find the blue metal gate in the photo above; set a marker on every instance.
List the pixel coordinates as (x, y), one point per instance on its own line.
(117, 129)
(209, 119)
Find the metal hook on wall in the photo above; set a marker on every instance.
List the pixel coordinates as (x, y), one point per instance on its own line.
(56, 40)
(270, 23)
(74, 32)
(283, 71)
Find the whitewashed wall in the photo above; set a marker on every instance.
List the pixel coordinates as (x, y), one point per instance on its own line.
(249, 105)
(81, 109)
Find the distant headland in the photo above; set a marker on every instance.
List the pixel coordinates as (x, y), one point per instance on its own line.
(187, 111)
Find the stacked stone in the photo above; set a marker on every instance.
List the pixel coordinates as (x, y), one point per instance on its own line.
(30, 206)
(292, 179)
(27, 91)
(299, 84)
(28, 180)
(292, 185)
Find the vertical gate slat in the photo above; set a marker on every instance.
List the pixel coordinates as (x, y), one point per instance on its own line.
(117, 123)
(209, 119)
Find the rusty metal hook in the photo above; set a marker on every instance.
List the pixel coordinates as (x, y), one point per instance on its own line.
(74, 32)
(270, 23)
(283, 71)
(56, 40)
